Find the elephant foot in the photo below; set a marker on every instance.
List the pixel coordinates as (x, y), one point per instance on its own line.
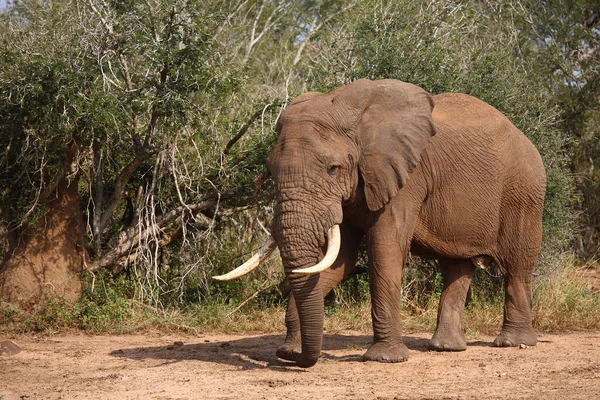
(448, 342)
(386, 352)
(289, 351)
(515, 337)
(307, 361)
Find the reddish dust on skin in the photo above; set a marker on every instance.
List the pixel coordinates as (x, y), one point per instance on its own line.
(152, 366)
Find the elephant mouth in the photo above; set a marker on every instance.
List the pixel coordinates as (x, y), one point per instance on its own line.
(334, 240)
(333, 249)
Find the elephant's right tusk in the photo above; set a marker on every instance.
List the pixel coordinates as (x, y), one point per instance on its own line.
(262, 254)
(334, 240)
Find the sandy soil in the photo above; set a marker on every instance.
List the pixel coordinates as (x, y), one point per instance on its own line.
(153, 366)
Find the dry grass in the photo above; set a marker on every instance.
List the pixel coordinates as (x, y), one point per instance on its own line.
(483, 319)
(567, 301)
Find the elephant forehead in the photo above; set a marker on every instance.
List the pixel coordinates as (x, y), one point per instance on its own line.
(301, 146)
(310, 104)
(307, 122)
(320, 113)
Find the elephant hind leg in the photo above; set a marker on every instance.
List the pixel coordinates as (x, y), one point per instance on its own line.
(519, 248)
(449, 334)
(517, 325)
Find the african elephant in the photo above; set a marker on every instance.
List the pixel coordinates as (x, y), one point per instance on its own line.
(446, 177)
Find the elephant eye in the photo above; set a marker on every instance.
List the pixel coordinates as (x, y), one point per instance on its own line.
(333, 169)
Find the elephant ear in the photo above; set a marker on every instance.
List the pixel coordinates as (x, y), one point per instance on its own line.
(394, 128)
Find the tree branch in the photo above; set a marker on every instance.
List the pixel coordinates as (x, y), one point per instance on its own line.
(265, 285)
(131, 237)
(246, 126)
(120, 184)
(254, 39)
(238, 7)
(314, 29)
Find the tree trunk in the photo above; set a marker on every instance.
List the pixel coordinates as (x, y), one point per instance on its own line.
(48, 261)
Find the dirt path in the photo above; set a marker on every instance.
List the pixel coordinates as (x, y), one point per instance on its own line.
(245, 367)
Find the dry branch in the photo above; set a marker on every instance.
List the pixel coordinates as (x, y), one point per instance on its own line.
(165, 224)
(314, 28)
(264, 286)
(120, 185)
(247, 125)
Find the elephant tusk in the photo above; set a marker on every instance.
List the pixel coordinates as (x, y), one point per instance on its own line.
(262, 254)
(334, 240)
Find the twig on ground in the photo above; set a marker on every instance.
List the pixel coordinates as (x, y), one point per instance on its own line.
(265, 285)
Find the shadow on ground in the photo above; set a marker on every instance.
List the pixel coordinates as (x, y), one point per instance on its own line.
(257, 351)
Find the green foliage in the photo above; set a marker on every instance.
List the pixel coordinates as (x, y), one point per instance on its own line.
(353, 291)
(107, 305)
(104, 307)
(568, 57)
(88, 89)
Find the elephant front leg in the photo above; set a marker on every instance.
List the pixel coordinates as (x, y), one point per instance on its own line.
(292, 345)
(386, 259)
(449, 334)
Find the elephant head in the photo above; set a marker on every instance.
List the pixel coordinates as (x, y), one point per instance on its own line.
(357, 144)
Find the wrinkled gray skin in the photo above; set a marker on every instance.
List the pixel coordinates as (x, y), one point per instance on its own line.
(446, 177)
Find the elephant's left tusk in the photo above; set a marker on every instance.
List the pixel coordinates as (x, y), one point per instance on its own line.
(334, 240)
(264, 252)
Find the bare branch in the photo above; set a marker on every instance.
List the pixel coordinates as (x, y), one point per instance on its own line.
(229, 18)
(247, 125)
(314, 29)
(254, 38)
(109, 28)
(132, 237)
(120, 184)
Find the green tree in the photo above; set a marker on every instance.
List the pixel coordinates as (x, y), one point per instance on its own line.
(133, 135)
(143, 112)
(96, 100)
(568, 55)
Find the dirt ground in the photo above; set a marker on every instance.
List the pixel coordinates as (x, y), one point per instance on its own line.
(153, 366)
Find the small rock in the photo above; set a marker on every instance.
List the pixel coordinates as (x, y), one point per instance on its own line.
(8, 348)
(175, 344)
(502, 374)
(523, 346)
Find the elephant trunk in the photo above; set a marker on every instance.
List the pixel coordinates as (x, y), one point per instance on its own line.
(309, 302)
(301, 238)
